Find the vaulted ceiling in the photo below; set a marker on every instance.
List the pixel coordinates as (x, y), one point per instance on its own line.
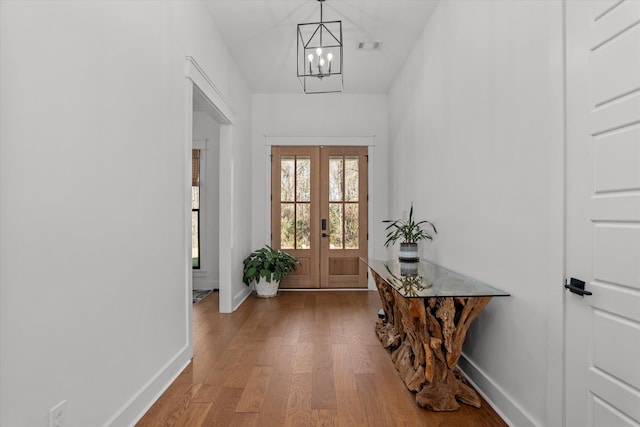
(261, 36)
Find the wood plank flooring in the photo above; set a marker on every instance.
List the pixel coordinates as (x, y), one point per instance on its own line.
(300, 359)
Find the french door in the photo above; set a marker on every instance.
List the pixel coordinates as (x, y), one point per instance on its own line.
(319, 214)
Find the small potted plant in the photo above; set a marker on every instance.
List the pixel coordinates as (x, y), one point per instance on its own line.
(410, 232)
(265, 267)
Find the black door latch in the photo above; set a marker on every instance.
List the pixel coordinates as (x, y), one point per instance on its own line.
(577, 287)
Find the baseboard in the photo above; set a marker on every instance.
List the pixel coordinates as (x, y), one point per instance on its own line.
(497, 398)
(240, 297)
(140, 403)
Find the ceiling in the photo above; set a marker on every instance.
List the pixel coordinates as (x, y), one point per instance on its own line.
(261, 36)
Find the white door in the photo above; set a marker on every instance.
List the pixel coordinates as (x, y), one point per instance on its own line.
(603, 213)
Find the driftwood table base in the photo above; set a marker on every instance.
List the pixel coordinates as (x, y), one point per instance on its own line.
(425, 338)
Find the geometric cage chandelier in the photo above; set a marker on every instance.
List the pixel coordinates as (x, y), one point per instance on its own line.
(320, 56)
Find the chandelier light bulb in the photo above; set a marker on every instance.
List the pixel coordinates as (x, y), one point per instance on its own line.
(319, 51)
(322, 62)
(310, 57)
(329, 56)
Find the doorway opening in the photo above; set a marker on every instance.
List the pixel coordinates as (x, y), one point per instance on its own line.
(207, 119)
(205, 200)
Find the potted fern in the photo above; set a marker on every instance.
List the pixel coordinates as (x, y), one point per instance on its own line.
(410, 233)
(265, 267)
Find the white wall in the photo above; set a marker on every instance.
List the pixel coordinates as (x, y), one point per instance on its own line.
(320, 119)
(476, 143)
(206, 136)
(235, 195)
(94, 301)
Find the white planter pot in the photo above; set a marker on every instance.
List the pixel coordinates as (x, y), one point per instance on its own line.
(266, 289)
(409, 252)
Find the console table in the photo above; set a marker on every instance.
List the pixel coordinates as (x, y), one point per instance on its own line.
(427, 312)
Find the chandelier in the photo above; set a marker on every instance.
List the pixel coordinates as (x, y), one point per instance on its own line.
(320, 56)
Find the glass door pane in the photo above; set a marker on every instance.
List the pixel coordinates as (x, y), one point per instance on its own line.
(344, 189)
(295, 202)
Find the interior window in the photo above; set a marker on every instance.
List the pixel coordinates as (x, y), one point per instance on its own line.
(195, 208)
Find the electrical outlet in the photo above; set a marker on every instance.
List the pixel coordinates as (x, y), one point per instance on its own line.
(56, 414)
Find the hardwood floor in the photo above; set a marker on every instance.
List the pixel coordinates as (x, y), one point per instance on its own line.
(300, 359)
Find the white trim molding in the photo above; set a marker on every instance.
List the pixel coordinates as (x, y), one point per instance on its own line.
(219, 102)
(224, 115)
(139, 404)
(497, 398)
(320, 140)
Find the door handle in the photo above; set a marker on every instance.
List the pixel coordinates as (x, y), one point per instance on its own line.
(325, 235)
(577, 287)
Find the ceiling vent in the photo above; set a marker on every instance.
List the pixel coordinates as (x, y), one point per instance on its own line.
(374, 45)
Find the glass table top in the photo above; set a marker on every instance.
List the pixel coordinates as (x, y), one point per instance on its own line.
(425, 279)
